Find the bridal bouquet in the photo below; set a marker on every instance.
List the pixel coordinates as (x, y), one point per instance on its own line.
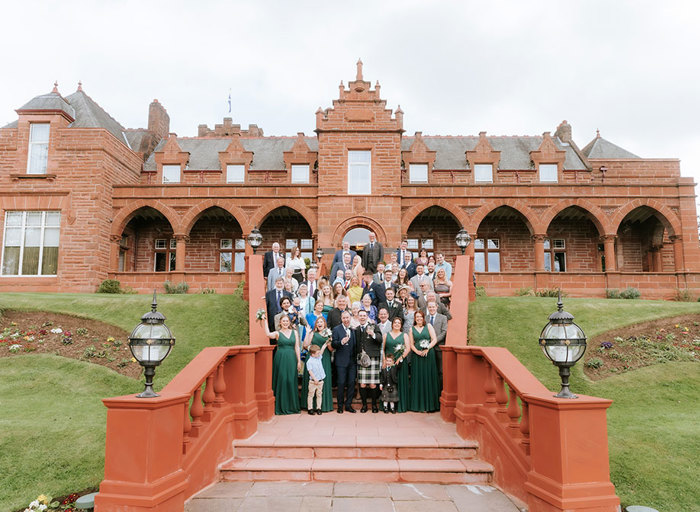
(260, 314)
(326, 333)
(424, 344)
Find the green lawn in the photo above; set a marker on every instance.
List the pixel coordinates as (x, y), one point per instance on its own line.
(652, 425)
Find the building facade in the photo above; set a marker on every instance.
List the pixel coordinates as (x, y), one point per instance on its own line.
(83, 199)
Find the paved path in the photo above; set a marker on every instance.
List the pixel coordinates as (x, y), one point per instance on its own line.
(348, 496)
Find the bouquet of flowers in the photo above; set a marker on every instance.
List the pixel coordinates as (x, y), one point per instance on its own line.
(398, 350)
(424, 344)
(326, 333)
(260, 315)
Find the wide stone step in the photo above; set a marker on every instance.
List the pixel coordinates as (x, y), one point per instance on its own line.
(452, 471)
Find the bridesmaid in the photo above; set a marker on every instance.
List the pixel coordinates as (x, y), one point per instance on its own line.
(319, 336)
(327, 299)
(398, 344)
(286, 365)
(312, 316)
(408, 314)
(425, 389)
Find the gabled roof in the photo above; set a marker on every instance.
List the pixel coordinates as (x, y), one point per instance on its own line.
(601, 148)
(88, 114)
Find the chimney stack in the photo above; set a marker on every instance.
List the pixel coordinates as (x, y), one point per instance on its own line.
(158, 120)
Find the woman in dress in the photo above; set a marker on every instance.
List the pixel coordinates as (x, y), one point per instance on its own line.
(402, 294)
(357, 268)
(425, 388)
(367, 306)
(355, 308)
(402, 279)
(290, 284)
(443, 286)
(315, 314)
(306, 304)
(396, 342)
(286, 365)
(297, 264)
(319, 336)
(338, 290)
(409, 311)
(327, 299)
(422, 258)
(355, 290)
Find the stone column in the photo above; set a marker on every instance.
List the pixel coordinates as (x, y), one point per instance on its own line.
(610, 257)
(678, 252)
(180, 250)
(656, 261)
(114, 248)
(538, 239)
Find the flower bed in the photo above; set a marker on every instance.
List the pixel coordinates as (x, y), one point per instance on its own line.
(26, 332)
(657, 342)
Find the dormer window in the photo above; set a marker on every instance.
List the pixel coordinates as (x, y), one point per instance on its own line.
(38, 157)
(483, 173)
(548, 173)
(418, 173)
(235, 173)
(171, 174)
(300, 173)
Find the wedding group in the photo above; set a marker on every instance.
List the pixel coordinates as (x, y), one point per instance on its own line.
(376, 322)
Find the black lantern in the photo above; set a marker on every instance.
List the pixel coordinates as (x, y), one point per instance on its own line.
(150, 343)
(564, 343)
(463, 239)
(319, 253)
(255, 239)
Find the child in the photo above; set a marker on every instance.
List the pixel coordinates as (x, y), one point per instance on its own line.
(389, 380)
(316, 375)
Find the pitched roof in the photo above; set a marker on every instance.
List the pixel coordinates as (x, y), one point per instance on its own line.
(50, 101)
(601, 148)
(88, 114)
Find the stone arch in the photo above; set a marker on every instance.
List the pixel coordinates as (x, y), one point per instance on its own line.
(596, 215)
(122, 218)
(414, 211)
(358, 221)
(662, 212)
(480, 214)
(193, 214)
(309, 215)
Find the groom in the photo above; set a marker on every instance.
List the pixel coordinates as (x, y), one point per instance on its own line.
(343, 342)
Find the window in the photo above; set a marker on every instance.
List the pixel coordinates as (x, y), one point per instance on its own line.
(548, 173)
(38, 155)
(300, 173)
(483, 173)
(359, 172)
(417, 244)
(30, 245)
(235, 173)
(164, 260)
(555, 251)
(171, 174)
(232, 255)
(418, 173)
(306, 246)
(487, 256)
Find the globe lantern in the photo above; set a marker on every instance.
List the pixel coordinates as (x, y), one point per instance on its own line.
(463, 239)
(564, 343)
(150, 343)
(255, 239)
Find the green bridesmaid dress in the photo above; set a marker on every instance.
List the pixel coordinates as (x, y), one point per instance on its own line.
(327, 399)
(284, 376)
(425, 391)
(396, 346)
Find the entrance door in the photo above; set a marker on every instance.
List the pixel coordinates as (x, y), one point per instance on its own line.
(358, 238)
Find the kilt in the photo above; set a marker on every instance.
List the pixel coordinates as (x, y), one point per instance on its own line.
(369, 375)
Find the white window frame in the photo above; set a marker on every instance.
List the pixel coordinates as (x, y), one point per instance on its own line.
(235, 173)
(359, 168)
(300, 173)
(549, 173)
(23, 227)
(38, 145)
(483, 173)
(169, 172)
(418, 173)
(483, 247)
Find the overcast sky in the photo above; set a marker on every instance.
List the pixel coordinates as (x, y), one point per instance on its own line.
(630, 69)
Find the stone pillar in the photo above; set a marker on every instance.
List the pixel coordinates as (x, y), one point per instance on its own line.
(679, 264)
(180, 251)
(114, 248)
(656, 261)
(610, 257)
(538, 240)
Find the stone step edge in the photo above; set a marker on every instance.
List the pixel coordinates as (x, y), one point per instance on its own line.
(353, 452)
(310, 442)
(358, 465)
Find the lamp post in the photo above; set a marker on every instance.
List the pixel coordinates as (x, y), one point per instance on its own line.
(319, 254)
(463, 239)
(150, 343)
(255, 239)
(564, 343)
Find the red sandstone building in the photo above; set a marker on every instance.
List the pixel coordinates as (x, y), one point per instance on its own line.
(83, 199)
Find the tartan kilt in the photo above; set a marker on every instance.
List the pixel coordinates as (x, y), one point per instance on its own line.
(369, 375)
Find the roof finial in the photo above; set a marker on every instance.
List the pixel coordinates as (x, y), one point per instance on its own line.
(80, 86)
(55, 87)
(359, 70)
(597, 133)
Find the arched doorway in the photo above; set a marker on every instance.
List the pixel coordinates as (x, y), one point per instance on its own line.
(434, 229)
(147, 243)
(573, 243)
(216, 243)
(643, 242)
(357, 237)
(503, 242)
(290, 229)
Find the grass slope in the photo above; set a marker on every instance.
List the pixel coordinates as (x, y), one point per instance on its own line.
(652, 425)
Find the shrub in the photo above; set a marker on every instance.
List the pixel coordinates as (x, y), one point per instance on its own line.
(630, 293)
(612, 293)
(176, 288)
(109, 286)
(208, 291)
(683, 295)
(550, 292)
(81, 331)
(480, 291)
(521, 292)
(594, 363)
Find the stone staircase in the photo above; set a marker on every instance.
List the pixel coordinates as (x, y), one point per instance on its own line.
(410, 447)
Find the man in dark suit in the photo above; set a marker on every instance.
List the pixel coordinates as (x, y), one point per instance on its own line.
(272, 300)
(335, 317)
(277, 271)
(392, 306)
(368, 337)
(381, 288)
(432, 297)
(270, 259)
(403, 255)
(378, 276)
(439, 323)
(338, 258)
(372, 254)
(344, 265)
(343, 342)
(311, 282)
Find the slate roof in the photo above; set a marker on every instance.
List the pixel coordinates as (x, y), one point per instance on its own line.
(50, 101)
(601, 148)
